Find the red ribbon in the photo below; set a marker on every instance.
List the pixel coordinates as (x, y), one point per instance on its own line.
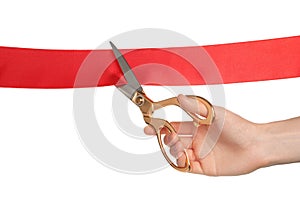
(236, 62)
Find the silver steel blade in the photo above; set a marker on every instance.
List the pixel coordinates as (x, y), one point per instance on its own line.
(132, 83)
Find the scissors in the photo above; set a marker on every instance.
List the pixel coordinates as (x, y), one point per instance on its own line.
(134, 91)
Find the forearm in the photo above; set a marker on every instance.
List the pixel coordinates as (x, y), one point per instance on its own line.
(281, 141)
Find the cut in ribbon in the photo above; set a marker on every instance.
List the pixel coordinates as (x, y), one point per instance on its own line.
(236, 62)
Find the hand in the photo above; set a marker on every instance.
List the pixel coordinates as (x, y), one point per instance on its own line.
(237, 150)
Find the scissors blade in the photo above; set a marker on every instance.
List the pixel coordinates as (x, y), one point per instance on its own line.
(133, 84)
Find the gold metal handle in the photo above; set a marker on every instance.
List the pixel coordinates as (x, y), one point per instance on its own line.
(158, 124)
(207, 120)
(147, 107)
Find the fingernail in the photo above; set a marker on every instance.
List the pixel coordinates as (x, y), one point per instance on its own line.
(181, 97)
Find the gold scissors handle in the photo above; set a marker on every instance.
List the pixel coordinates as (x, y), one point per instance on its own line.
(147, 107)
(207, 120)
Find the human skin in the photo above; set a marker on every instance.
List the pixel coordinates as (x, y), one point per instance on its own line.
(242, 146)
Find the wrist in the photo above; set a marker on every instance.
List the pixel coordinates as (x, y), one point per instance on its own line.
(279, 143)
(267, 142)
(260, 146)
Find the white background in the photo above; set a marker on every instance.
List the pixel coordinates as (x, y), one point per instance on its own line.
(41, 156)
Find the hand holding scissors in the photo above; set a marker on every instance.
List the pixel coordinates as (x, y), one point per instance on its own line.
(134, 91)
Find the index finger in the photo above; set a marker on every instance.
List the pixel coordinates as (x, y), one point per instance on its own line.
(192, 105)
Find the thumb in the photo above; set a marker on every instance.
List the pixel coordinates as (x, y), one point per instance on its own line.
(192, 105)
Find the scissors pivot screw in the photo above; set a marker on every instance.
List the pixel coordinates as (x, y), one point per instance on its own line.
(139, 100)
